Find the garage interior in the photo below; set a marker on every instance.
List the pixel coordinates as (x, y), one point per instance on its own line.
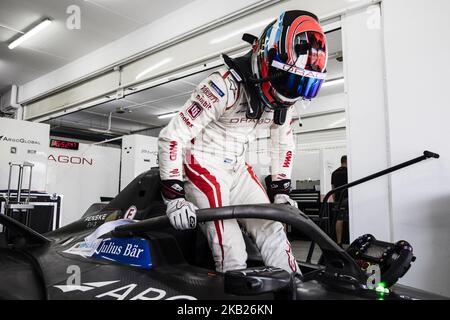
(83, 101)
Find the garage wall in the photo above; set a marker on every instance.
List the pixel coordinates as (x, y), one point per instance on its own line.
(396, 110)
(418, 120)
(82, 177)
(366, 130)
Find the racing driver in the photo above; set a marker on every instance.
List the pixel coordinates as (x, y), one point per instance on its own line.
(202, 149)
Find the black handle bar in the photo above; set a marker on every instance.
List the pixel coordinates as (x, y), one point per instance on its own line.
(285, 214)
(426, 155)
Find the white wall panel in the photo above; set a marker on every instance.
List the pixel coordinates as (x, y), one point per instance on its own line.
(418, 120)
(22, 141)
(139, 154)
(82, 177)
(366, 129)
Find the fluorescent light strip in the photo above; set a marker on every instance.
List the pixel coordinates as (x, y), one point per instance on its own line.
(153, 67)
(41, 26)
(167, 115)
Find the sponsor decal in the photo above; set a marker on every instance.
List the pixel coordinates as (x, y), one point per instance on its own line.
(95, 220)
(97, 217)
(174, 173)
(130, 291)
(205, 104)
(18, 140)
(85, 286)
(236, 75)
(71, 160)
(291, 260)
(216, 88)
(281, 176)
(186, 120)
(144, 151)
(173, 149)
(177, 187)
(233, 87)
(194, 110)
(129, 251)
(298, 71)
(287, 159)
(245, 120)
(228, 160)
(84, 249)
(209, 94)
(130, 213)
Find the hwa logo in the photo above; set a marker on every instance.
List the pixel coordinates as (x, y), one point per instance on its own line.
(173, 149)
(287, 160)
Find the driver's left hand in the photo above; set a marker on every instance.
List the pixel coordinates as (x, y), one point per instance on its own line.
(285, 199)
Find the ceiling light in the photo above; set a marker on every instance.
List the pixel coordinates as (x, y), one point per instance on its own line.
(167, 115)
(153, 67)
(242, 31)
(333, 82)
(41, 26)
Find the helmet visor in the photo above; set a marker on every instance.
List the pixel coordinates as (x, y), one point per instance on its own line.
(305, 73)
(311, 52)
(295, 83)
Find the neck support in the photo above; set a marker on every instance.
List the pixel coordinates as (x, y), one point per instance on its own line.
(240, 68)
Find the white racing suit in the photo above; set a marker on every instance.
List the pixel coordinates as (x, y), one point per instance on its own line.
(205, 145)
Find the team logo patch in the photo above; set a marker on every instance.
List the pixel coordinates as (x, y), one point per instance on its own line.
(216, 88)
(194, 110)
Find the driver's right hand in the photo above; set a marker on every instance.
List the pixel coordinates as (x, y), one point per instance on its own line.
(181, 214)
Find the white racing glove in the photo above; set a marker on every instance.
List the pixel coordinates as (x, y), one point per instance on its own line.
(181, 214)
(285, 199)
(281, 190)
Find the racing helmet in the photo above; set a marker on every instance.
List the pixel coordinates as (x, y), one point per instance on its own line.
(290, 59)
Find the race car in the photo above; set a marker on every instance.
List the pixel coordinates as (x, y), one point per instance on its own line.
(127, 250)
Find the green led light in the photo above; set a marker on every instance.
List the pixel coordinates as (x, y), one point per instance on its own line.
(381, 288)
